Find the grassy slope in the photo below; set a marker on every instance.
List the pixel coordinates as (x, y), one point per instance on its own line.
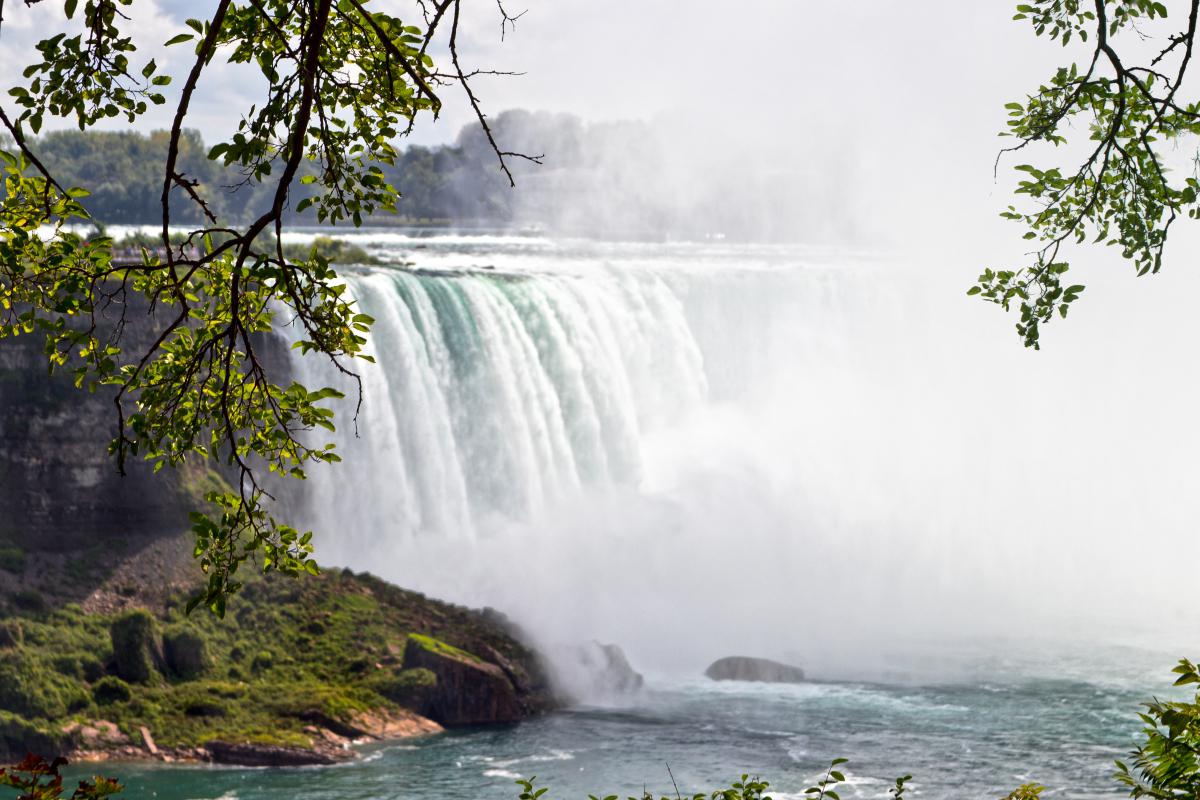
(288, 650)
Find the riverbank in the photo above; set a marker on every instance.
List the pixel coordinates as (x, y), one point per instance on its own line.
(297, 673)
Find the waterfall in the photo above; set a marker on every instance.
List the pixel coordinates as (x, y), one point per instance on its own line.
(496, 396)
(701, 450)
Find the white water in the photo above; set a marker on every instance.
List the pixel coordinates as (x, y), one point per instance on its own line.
(697, 450)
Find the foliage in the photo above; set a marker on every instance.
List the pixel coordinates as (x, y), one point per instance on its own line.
(134, 642)
(446, 184)
(437, 646)
(336, 642)
(111, 689)
(343, 83)
(185, 652)
(1123, 192)
(1167, 764)
(39, 779)
(335, 251)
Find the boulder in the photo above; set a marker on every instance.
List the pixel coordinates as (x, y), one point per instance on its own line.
(468, 690)
(244, 754)
(745, 668)
(137, 649)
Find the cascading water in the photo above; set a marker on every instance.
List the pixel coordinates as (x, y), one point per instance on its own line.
(498, 395)
(833, 459)
(701, 450)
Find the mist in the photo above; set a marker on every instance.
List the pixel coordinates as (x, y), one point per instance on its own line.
(875, 464)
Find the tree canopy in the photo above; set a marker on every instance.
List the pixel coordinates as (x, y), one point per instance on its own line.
(1125, 110)
(343, 83)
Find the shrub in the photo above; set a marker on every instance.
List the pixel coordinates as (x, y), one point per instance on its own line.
(263, 661)
(12, 634)
(12, 558)
(186, 652)
(29, 688)
(111, 689)
(135, 646)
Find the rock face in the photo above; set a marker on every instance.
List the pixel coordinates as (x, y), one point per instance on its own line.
(745, 668)
(59, 488)
(469, 690)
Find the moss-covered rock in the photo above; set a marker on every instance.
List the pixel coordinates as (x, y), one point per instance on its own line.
(185, 652)
(111, 689)
(408, 688)
(135, 645)
(468, 690)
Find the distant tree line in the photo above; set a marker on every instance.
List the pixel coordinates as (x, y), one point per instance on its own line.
(624, 179)
(454, 183)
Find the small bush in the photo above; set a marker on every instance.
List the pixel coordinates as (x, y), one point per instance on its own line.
(208, 709)
(93, 670)
(12, 558)
(186, 652)
(111, 689)
(12, 634)
(263, 661)
(67, 665)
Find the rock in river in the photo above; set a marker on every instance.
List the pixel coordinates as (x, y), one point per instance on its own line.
(745, 668)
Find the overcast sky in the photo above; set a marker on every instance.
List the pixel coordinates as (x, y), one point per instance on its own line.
(782, 59)
(905, 98)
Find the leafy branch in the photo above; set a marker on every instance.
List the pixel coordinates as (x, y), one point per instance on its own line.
(1122, 193)
(344, 84)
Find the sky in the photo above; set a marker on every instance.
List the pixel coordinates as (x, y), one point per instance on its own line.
(890, 108)
(790, 61)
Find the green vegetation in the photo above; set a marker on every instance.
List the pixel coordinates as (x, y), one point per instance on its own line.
(12, 557)
(436, 646)
(1125, 109)
(447, 184)
(335, 251)
(135, 642)
(342, 86)
(294, 654)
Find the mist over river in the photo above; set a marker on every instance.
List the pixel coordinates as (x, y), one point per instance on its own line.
(822, 456)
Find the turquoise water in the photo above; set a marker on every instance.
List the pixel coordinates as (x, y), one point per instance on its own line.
(961, 738)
